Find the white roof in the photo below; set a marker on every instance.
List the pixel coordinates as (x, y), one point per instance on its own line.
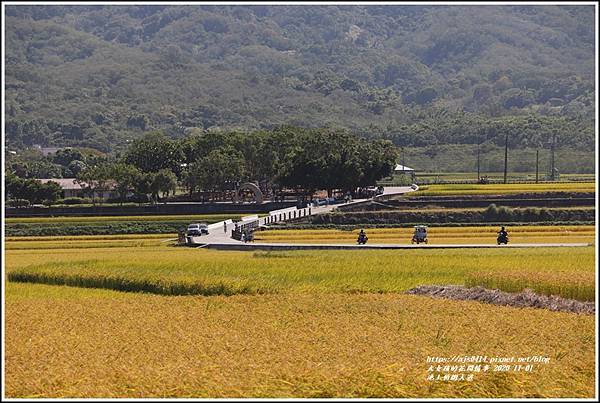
(65, 183)
(402, 168)
(72, 184)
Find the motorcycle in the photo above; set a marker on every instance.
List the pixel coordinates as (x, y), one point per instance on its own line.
(420, 234)
(362, 239)
(502, 239)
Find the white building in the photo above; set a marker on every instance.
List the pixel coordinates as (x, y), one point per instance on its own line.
(404, 170)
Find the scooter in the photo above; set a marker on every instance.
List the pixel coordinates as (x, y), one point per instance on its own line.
(362, 239)
(502, 239)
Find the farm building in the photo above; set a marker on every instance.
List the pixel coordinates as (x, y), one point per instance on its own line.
(72, 188)
(404, 170)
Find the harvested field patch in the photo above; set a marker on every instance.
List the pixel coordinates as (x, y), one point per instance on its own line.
(580, 284)
(525, 299)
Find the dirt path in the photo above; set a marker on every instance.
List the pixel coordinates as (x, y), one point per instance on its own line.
(525, 299)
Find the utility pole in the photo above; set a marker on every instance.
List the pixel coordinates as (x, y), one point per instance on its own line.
(478, 164)
(505, 157)
(537, 164)
(403, 161)
(552, 146)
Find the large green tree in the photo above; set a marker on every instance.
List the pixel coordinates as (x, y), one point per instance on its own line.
(95, 180)
(220, 166)
(125, 177)
(335, 160)
(153, 152)
(31, 190)
(162, 182)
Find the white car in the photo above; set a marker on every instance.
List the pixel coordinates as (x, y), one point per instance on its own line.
(197, 229)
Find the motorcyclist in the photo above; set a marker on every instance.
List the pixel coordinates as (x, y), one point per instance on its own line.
(502, 234)
(362, 236)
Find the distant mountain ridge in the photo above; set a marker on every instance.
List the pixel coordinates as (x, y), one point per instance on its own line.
(98, 76)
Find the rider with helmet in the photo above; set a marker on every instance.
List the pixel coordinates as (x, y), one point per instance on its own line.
(502, 236)
(362, 237)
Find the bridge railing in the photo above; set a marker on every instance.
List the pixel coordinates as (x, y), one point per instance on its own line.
(218, 225)
(287, 214)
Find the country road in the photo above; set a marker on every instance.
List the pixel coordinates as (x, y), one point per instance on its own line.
(219, 236)
(220, 232)
(316, 246)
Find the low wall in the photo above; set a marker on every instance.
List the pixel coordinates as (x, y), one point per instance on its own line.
(159, 209)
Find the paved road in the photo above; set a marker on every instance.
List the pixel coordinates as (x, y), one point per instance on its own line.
(305, 246)
(220, 232)
(396, 190)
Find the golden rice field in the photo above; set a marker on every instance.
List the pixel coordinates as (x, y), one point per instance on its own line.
(284, 324)
(152, 265)
(436, 209)
(30, 244)
(62, 238)
(72, 342)
(437, 235)
(511, 188)
(499, 175)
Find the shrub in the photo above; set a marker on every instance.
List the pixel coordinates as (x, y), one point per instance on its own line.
(73, 200)
(18, 203)
(493, 213)
(100, 228)
(138, 198)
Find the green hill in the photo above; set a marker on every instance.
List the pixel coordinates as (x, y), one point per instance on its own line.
(98, 76)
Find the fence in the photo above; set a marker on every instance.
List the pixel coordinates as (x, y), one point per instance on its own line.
(287, 214)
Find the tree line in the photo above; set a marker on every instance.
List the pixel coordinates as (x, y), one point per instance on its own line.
(292, 158)
(24, 192)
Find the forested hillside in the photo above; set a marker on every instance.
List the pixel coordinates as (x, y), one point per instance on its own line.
(98, 76)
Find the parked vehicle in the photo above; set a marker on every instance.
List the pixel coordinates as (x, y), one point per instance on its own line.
(326, 201)
(420, 234)
(197, 229)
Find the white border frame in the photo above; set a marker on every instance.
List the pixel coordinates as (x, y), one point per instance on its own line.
(298, 3)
